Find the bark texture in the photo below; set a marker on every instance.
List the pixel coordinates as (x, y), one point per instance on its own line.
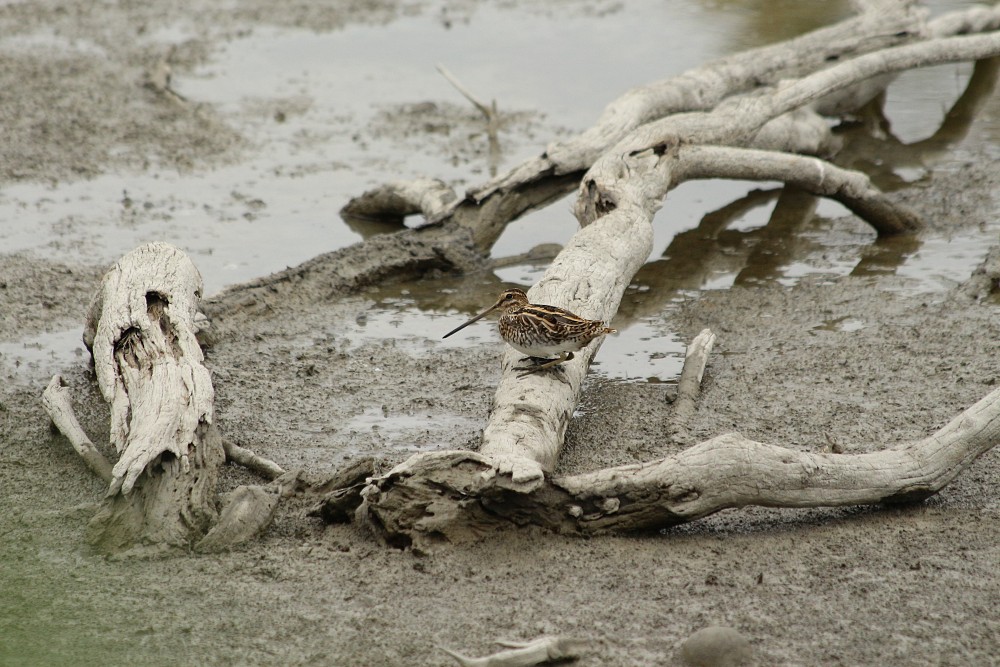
(141, 332)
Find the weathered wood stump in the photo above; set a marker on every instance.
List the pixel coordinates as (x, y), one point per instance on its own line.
(161, 495)
(141, 332)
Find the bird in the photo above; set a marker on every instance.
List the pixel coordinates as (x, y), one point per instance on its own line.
(540, 331)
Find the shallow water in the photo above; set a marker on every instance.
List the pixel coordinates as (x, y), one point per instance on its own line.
(331, 114)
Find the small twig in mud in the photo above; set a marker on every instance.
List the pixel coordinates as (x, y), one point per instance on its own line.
(488, 110)
(251, 460)
(524, 654)
(159, 76)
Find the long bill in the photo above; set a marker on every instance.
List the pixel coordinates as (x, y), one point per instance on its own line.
(474, 319)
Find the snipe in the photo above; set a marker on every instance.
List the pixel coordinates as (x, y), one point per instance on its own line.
(540, 331)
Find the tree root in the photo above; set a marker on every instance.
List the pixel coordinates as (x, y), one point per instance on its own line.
(55, 400)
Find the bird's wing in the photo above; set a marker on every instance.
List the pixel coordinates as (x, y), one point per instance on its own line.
(541, 317)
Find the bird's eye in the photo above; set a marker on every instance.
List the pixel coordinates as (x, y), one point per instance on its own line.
(509, 297)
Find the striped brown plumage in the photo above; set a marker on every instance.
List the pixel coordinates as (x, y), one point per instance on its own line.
(540, 331)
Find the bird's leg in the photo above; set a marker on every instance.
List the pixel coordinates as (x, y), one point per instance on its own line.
(547, 363)
(563, 356)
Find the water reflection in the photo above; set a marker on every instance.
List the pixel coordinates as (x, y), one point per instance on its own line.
(699, 257)
(871, 146)
(762, 22)
(368, 227)
(795, 235)
(781, 238)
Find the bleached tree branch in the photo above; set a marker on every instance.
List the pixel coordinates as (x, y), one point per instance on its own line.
(457, 496)
(853, 189)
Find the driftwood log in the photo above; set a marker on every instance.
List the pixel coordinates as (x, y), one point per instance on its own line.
(697, 106)
(456, 496)
(141, 332)
(616, 202)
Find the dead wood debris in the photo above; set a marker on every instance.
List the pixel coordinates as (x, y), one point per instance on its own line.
(689, 385)
(539, 651)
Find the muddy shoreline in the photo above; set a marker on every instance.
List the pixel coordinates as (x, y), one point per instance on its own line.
(912, 585)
